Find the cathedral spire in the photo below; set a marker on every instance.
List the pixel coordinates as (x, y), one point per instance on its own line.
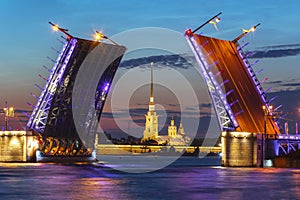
(151, 103)
(151, 125)
(151, 89)
(180, 129)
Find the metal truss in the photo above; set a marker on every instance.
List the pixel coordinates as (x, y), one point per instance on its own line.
(38, 118)
(286, 143)
(260, 90)
(251, 73)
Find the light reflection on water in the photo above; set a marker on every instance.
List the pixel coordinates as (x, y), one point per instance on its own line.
(54, 181)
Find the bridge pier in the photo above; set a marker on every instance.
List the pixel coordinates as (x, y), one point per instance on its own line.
(239, 149)
(17, 146)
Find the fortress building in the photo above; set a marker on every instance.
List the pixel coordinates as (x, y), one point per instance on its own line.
(151, 125)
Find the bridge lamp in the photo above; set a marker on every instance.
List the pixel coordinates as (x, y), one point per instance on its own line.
(245, 32)
(215, 19)
(55, 27)
(266, 110)
(188, 32)
(214, 22)
(9, 112)
(98, 36)
(270, 107)
(252, 29)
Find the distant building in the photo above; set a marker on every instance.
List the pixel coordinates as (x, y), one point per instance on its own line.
(173, 137)
(172, 129)
(180, 129)
(151, 126)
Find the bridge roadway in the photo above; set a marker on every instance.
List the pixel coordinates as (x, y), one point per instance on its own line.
(246, 101)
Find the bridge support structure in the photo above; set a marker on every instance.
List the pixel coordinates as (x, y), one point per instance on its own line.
(240, 149)
(284, 151)
(244, 149)
(17, 146)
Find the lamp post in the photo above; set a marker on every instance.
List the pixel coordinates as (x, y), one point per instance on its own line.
(267, 111)
(55, 28)
(8, 112)
(214, 19)
(245, 32)
(98, 36)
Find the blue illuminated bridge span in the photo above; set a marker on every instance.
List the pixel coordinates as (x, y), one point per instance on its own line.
(53, 116)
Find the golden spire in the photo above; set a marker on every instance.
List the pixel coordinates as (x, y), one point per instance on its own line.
(151, 104)
(151, 89)
(180, 129)
(172, 121)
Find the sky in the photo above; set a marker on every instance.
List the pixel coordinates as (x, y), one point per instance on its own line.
(27, 39)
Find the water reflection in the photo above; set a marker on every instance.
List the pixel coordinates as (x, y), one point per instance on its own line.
(53, 181)
(98, 188)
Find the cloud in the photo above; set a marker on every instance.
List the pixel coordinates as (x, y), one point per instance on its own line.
(289, 46)
(274, 82)
(107, 115)
(137, 112)
(22, 111)
(142, 104)
(186, 61)
(172, 61)
(276, 51)
(205, 105)
(172, 105)
(190, 108)
(292, 84)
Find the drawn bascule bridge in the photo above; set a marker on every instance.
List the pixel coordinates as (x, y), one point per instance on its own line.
(70, 104)
(248, 122)
(67, 112)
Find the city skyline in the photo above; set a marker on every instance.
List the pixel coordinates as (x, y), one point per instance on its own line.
(22, 59)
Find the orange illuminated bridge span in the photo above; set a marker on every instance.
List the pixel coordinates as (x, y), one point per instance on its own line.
(237, 94)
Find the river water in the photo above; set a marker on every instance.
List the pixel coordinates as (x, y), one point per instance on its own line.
(87, 181)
